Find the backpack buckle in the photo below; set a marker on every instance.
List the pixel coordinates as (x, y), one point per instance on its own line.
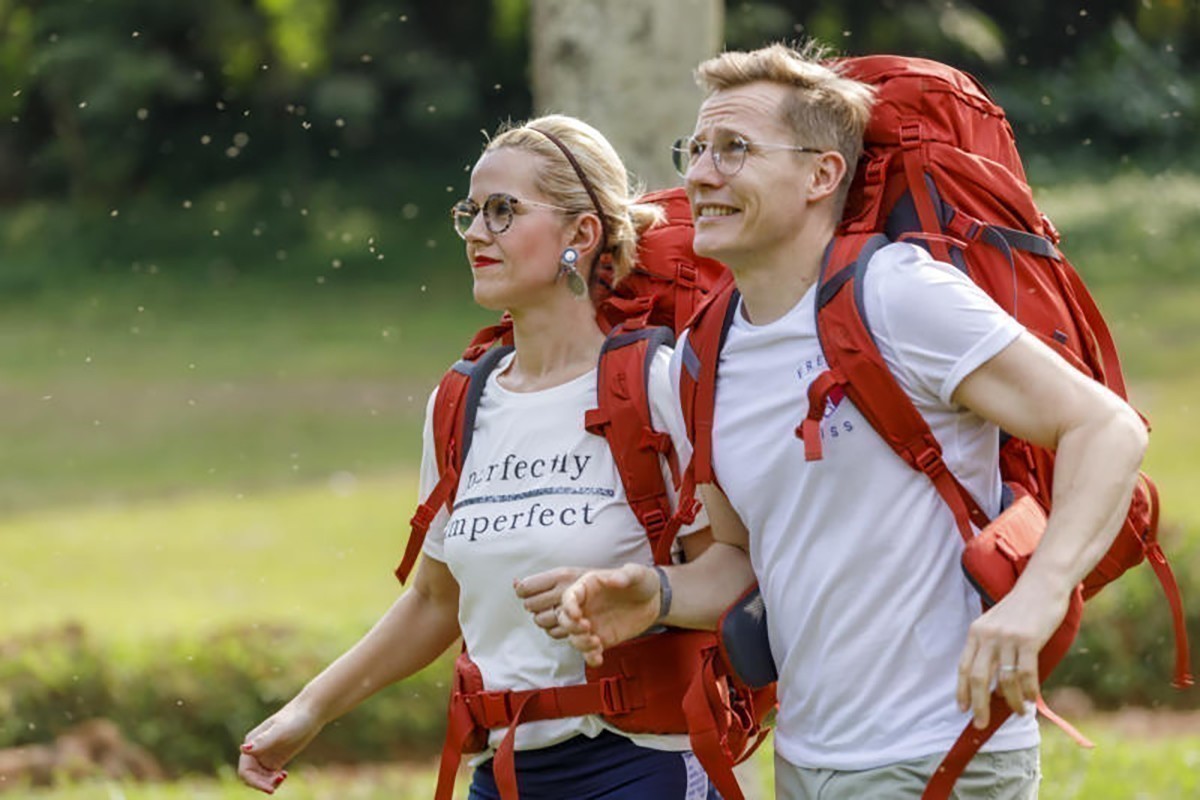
(686, 275)
(930, 462)
(612, 697)
(490, 709)
(910, 135)
(654, 521)
(422, 518)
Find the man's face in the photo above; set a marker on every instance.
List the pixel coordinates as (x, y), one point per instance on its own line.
(749, 216)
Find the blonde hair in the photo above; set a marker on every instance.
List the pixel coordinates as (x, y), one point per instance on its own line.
(623, 218)
(825, 109)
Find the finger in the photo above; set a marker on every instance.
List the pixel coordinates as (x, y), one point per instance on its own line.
(574, 598)
(558, 632)
(253, 773)
(544, 601)
(1008, 681)
(962, 692)
(547, 619)
(538, 583)
(1027, 675)
(979, 681)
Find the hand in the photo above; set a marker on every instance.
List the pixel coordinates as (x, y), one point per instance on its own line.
(1003, 645)
(542, 594)
(609, 606)
(272, 744)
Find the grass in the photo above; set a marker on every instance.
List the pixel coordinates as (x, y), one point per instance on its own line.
(1122, 767)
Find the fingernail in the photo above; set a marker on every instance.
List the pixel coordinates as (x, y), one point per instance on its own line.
(247, 747)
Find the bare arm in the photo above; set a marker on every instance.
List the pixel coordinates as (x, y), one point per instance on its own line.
(1099, 440)
(606, 607)
(418, 627)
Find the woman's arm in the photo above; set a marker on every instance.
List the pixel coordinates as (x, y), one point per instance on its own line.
(418, 628)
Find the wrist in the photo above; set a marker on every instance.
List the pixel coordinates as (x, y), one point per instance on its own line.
(664, 595)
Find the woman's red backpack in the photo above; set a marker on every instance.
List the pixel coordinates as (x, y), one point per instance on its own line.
(940, 168)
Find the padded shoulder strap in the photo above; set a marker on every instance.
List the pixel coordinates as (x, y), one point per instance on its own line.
(454, 410)
(857, 366)
(698, 377)
(622, 417)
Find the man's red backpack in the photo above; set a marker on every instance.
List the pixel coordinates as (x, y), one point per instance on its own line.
(671, 682)
(941, 168)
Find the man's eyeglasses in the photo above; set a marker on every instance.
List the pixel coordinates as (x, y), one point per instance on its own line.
(728, 150)
(498, 212)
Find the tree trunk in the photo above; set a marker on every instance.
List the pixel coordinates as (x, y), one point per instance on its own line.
(626, 67)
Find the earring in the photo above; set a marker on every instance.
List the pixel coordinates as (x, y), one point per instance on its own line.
(566, 268)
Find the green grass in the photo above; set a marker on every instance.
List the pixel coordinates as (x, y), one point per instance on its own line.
(139, 389)
(315, 557)
(1122, 767)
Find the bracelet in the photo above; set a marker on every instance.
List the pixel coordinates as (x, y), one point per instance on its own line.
(664, 595)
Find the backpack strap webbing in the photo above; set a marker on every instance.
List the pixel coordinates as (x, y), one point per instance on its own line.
(453, 426)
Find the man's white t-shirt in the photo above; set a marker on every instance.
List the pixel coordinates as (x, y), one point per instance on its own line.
(856, 554)
(538, 491)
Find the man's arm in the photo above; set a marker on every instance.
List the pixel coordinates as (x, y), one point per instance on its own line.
(606, 607)
(1099, 441)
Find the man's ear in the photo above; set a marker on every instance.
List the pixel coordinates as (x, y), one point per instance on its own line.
(829, 168)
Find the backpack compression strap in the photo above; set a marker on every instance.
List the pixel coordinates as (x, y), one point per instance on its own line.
(453, 425)
(622, 417)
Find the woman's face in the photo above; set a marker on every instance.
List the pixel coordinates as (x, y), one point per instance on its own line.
(517, 267)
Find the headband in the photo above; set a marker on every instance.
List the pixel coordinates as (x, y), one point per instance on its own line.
(587, 185)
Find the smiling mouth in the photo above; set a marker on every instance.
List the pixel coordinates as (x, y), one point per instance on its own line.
(484, 261)
(714, 212)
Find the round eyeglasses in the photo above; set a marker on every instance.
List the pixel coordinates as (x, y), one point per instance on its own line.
(499, 209)
(728, 150)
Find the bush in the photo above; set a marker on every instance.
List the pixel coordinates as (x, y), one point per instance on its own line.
(190, 702)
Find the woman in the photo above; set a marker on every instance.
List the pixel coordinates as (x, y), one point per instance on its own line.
(547, 200)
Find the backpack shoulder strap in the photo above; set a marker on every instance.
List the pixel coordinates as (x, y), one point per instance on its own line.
(454, 410)
(622, 417)
(858, 368)
(707, 331)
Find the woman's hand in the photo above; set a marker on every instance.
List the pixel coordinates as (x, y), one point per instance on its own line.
(273, 744)
(542, 594)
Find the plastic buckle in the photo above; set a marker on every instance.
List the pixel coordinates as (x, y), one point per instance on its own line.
(686, 274)
(612, 697)
(930, 462)
(688, 510)
(910, 135)
(491, 709)
(654, 521)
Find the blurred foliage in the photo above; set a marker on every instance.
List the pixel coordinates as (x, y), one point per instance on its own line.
(190, 702)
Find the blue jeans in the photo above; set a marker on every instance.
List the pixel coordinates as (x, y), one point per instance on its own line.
(609, 767)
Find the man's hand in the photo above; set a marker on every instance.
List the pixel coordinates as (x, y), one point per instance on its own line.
(543, 593)
(1003, 646)
(608, 606)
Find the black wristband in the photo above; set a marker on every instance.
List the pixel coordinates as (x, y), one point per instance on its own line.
(664, 594)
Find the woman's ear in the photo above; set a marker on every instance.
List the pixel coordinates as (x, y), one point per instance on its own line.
(585, 235)
(828, 169)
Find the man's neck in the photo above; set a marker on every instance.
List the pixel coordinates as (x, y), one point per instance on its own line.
(774, 283)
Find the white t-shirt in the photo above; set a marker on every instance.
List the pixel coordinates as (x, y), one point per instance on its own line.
(856, 554)
(538, 491)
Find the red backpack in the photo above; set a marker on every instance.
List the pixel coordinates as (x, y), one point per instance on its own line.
(672, 682)
(940, 167)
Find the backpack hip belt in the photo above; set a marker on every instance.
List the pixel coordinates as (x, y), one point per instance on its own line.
(667, 683)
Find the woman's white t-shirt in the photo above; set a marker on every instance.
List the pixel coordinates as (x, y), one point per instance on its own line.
(857, 555)
(538, 491)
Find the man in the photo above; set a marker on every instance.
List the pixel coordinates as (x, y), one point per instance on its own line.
(874, 630)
